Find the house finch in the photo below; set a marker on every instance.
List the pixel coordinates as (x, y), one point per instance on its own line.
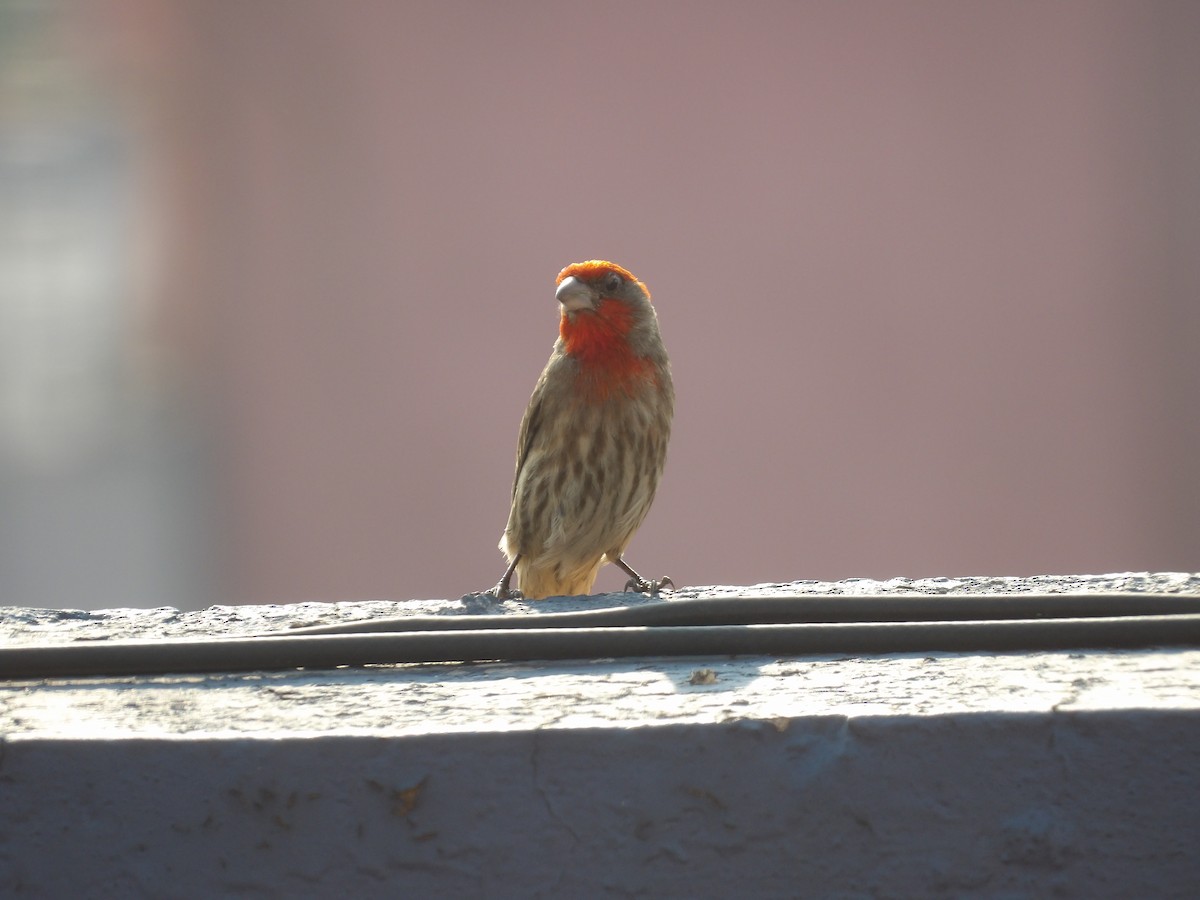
(593, 439)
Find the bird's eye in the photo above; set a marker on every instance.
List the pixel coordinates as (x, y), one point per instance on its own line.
(612, 281)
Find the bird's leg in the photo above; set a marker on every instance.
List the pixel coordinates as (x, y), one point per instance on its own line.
(501, 591)
(637, 583)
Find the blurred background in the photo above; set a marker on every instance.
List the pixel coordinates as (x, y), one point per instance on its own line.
(277, 278)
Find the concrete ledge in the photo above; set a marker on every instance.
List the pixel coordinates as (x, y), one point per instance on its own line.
(1060, 773)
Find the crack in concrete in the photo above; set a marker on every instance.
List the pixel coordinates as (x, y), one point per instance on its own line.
(543, 794)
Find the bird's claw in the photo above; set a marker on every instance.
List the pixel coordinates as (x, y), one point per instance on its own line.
(642, 586)
(500, 592)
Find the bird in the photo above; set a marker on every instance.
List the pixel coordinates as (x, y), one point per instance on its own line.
(593, 441)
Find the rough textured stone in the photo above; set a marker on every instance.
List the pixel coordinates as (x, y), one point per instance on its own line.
(897, 775)
(24, 626)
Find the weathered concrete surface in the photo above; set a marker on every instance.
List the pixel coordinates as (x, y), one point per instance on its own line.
(1010, 775)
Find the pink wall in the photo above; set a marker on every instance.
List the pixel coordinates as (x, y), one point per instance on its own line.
(926, 273)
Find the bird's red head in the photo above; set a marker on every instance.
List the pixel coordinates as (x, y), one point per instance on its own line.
(607, 319)
(593, 271)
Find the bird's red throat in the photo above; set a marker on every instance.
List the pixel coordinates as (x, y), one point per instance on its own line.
(599, 339)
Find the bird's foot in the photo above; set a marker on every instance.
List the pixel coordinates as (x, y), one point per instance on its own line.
(637, 583)
(642, 586)
(503, 592)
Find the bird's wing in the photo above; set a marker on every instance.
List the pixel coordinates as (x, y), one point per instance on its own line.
(531, 423)
(549, 402)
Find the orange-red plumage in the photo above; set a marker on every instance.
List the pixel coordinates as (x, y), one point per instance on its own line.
(595, 268)
(600, 343)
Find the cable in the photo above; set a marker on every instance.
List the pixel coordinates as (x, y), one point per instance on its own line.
(1179, 626)
(796, 610)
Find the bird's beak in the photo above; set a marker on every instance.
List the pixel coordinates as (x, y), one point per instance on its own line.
(574, 295)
